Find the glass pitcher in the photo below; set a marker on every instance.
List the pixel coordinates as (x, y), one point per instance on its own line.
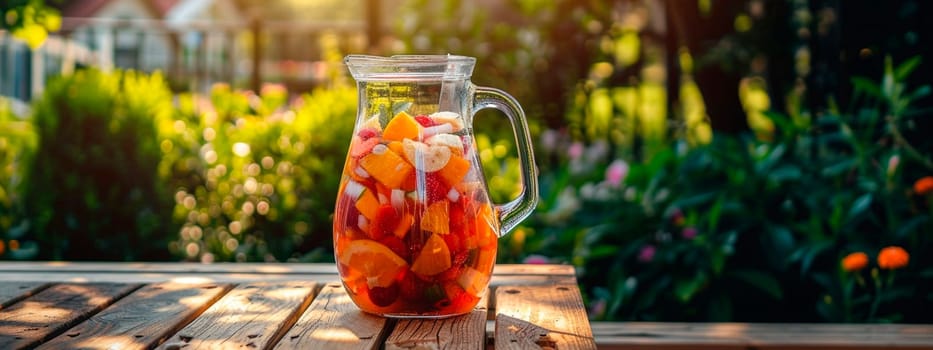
(414, 230)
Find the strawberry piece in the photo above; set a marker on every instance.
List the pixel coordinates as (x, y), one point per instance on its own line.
(385, 222)
(425, 121)
(397, 246)
(367, 133)
(384, 296)
(454, 244)
(363, 147)
(458, 219)
(435, 188)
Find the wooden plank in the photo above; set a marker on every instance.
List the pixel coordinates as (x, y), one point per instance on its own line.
(254, 315)
(542, 316)
(77, 268)
(461, 332)
(142, 319)
(663, 335)
(11, 292)
(334, 322)
(53, 310)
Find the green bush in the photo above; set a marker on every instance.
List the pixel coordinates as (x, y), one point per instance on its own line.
(750, 230)
(255, 178)
(17, 143)
(92, 190)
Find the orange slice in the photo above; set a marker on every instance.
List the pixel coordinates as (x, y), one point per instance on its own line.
(434, 257)
(367, 204)
(375, 261)
(404, 225)
(386, 166)
(455, 170)
(436, 218)
(401, 127)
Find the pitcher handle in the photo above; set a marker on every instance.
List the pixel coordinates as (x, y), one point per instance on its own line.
(516, 210)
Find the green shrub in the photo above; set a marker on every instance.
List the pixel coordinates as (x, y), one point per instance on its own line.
(92, 190)
(751, 230)
(17, 143)
(255, 179)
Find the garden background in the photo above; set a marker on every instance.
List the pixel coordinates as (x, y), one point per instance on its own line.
(700, 160)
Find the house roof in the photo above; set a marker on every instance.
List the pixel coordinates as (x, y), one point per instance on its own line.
(87, 8)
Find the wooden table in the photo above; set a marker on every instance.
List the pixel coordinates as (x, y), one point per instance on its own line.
(268, 306)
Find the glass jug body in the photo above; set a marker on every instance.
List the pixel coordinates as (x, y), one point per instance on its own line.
(415, 233)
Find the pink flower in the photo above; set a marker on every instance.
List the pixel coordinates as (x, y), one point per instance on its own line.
(646, 254)
(535, 259)
(689, 233)
(576, 150)
(616, 172)
(598, 307)
(893, 162)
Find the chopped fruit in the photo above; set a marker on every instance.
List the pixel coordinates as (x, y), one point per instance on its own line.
(402, 127)
(375, 261)
(459, 223)
(450, 274)
(447, 140)
(367, 205)
(351, 213)
(448, 118)
(436, 218)
(426, 158)
(455, 244)
(363, 148)
(437, 129)
(404, 225)
(411, 287)
(372, 123)
(397, 246)
(453, 290)
(473, 281)
(486, 226)
(367, 133)
(455, 171)
(435, 188)
(384, 223)
(388, 168)
(434, 257)
(425, 121)
(396, 146)
(485, 259)
(434, 294)
(383, 296)
(414, 230)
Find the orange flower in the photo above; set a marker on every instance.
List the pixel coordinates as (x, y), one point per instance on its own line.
(892, 258)
(855, 261)
(924, 186)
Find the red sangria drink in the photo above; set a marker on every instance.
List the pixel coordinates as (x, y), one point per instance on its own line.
(415, 233)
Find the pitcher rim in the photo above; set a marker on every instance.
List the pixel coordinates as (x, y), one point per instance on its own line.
(370, 67)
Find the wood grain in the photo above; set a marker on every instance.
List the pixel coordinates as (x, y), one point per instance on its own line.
(334, 322)
(11, 292)
(541, 316)
(195, 273)
(142, 319)
(53, 310)
(251, 316)
(461, 332)
(674, 335)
